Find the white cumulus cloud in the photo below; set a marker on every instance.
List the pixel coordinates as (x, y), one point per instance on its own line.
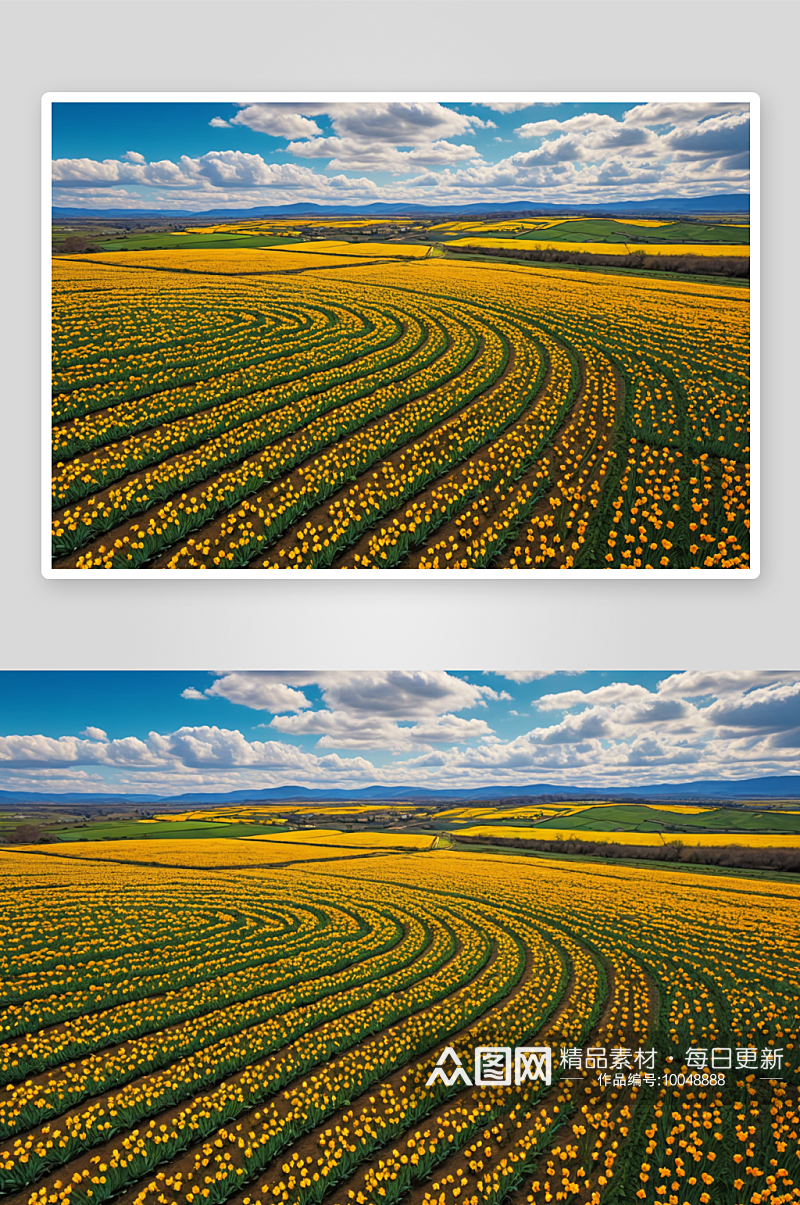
(692, 725)
(389, 709)
(279, 120)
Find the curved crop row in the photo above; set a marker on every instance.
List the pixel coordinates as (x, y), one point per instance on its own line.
(313, 1085)
(304, 368)
(386, 419)
(209, 333)
(361, 333)
(425, 355)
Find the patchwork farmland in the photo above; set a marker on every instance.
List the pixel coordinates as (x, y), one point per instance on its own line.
(362, 405)
(201, 1021)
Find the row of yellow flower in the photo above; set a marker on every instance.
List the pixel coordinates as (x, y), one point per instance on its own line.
(681, 347)
(402, 995)
(199, 1052)
(718, 990)
(142, 958)
(320, 410)
(174, 393)
(228, 432)
(317, 541)
(383, 1117)
(582, 455)
(495, 468)
(682, 970)
(411, 405)
(204, 333)
(277, 960)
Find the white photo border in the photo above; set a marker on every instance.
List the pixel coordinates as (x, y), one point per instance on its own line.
(247, 97)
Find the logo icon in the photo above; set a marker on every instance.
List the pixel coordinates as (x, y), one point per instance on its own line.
(440, 1073)
(493, 1067)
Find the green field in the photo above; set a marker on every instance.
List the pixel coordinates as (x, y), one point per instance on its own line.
(642, 819)
(634, 818)
(455, 253)
(118, 830)
(610, 230)
(603, 230)
(166, 241)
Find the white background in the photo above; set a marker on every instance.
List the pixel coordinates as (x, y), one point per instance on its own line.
(410, 46)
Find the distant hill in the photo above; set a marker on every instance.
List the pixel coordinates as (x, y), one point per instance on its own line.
(719, 203)
(785, 786)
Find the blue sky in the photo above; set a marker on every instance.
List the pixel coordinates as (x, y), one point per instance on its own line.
(167, 130)
(199, 155)
(167, 732)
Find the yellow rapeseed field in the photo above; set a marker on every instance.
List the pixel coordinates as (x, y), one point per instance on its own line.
(368, 250)
(277, 813)
(227, 261)
(223, 815)
(175, 1036)
(332, 836)
(738, 837)
(551, 223)
(688, 809)
(715, 249)
(539, 809)
(644, 222)
(418, 414)
(209, 852)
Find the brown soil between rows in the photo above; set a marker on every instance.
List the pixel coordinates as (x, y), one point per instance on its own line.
(356, 1182)
(509, 1135)
(498, 496)
(308, 1144)
(319, 513)
(346, 560)
(560, 447)
(628, 1035)
(295, 476)
(164, 1116)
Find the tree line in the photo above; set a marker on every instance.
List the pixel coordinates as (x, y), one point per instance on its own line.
(736, 856)
(697, 265)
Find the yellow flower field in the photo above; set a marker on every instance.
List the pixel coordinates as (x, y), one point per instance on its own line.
(221, 815)
(715, 249)
(286, 809)
(522, 813)
(228, 261)
(175, 1036)
(549, 223)
(369, 250)
(686, 808)
(644, 222)
(415, 414)
(209, 853)
(333, 836)
(751, 840)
